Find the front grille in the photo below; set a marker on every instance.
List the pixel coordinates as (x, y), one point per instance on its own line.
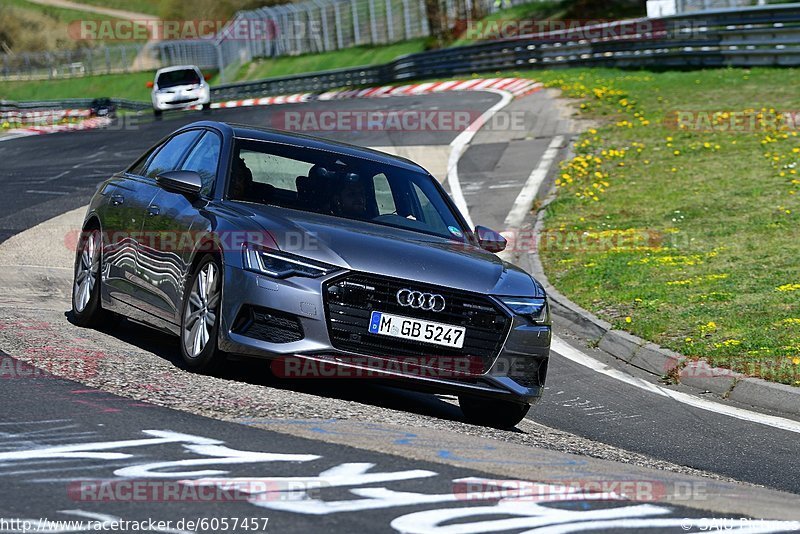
(350, 301)
(268, 325)
(182, 101)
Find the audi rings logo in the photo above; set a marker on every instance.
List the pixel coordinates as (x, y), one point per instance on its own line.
(420, 300)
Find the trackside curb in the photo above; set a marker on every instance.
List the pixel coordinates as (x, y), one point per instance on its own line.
(652, 358)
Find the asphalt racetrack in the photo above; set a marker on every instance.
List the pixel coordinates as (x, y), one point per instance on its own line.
(350, 457)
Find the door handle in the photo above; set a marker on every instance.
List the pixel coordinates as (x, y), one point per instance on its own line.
(152, 211)
(116, 200)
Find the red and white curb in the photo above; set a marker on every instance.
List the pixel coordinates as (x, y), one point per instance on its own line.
(88, 124)
(518, 87)
(42, 115)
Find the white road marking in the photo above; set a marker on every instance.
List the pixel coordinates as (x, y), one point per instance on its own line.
(40, 192)
(522, 205)
(459, 145)
(571, 353)
(503, 186)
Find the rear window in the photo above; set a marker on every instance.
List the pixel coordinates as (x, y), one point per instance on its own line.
(177, 77)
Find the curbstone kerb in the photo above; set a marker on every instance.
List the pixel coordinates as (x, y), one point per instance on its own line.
(701, 375)
(621, 344)
(770, 395)
(657, 360)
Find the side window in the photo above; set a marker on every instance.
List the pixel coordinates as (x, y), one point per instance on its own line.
(383, 195)
(171, 154)
(138, 167)
(203, 159)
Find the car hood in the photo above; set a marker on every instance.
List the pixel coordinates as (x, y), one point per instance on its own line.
(394, 252)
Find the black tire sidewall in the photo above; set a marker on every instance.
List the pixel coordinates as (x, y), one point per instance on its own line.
(492, 412)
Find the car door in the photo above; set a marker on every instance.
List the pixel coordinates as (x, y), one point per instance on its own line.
(128, 202)
(178, 220)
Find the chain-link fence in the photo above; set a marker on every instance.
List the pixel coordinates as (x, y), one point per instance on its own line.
(80, 62)
(315, 26)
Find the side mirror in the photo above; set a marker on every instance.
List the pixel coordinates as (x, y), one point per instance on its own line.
(490, 240)
(184, 182)
(149, 85)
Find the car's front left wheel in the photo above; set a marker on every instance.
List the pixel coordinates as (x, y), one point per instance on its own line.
(201, 316)
(86, 308)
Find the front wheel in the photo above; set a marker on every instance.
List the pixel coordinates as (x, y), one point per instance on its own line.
(157, 114)
(494, 413)
(201, 316)
(86, 308)
(207, 108)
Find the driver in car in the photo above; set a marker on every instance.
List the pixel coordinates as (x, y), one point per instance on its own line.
(350, 199)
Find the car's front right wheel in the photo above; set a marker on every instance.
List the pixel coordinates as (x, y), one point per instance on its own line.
(492, 412)
(200, 319)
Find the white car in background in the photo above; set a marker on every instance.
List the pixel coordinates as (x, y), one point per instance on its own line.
(179, 87)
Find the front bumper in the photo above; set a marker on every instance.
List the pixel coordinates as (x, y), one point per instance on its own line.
(193, 98)
(299, 327)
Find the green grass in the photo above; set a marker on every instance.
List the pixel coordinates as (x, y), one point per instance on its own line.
(60, 14)
(686, 237)
(131, 86)
(489, 27)
(150, 7)
(349, 57)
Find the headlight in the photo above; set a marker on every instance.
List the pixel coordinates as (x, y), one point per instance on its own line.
(535, 309)
(282, 264)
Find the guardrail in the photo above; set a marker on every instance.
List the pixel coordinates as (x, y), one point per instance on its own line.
(757, 36)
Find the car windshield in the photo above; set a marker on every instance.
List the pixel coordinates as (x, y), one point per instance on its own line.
(177, 77)
(343, 186)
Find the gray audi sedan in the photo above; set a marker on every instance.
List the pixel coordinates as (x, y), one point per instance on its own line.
(330, 260)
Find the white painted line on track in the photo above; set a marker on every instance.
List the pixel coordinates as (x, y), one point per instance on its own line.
(571, 353)
(522, 205)
(459, 145)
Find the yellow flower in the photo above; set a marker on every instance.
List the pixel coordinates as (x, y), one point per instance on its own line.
(628, 319)
(788, 287)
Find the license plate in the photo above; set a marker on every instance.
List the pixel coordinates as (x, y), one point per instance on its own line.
(386, 324)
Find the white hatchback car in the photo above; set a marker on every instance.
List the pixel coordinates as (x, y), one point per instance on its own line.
(178, 88)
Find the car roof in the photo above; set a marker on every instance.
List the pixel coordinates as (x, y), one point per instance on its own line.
(244, 131)
(176, 67)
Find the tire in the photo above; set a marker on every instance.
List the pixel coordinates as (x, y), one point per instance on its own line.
(200, 317)
(87, 310)
(207, 108)
(494, 413)
(157, 114)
